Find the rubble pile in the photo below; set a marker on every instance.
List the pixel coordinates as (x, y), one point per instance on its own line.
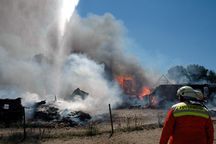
(46, 112)
(50, 113)
(77, 118)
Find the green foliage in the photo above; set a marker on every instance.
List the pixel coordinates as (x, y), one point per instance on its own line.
(197, 72)
(211, 76)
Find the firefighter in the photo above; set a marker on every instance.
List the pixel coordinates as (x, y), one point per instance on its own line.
(188, 122)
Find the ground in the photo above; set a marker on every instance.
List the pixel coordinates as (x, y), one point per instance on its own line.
(135, 137)
(131, 126)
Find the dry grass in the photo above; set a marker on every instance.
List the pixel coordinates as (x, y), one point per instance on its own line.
(131, 126)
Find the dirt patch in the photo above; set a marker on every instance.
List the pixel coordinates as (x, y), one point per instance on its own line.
(135, 137)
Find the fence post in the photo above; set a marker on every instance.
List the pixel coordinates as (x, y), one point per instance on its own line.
(24, 124)
(111, 121)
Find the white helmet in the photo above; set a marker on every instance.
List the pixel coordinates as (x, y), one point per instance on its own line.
(189, 92)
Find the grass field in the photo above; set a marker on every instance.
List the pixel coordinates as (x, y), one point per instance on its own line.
(131, 126)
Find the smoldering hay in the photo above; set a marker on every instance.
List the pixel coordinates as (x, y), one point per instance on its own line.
(92, 53)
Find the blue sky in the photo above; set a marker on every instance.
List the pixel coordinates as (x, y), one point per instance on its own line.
(166, 33)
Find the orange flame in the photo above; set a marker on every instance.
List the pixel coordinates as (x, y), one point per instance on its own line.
(127, 83)
(120, 80)
(144, 92)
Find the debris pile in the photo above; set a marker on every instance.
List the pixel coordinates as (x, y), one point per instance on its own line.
(51, 114)
(77, 118)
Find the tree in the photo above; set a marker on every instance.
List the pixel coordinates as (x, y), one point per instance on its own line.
(178, 74)
(191, 74)
(197, 73)
(211, 76)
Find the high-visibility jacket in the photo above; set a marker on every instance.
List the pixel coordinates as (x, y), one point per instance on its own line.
(187, 124)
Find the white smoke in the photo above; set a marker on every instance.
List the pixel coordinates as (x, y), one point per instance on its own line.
(81, 72)
(41, 61)
(28, 46)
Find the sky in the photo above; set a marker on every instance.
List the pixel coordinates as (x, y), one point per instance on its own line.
(165, 33)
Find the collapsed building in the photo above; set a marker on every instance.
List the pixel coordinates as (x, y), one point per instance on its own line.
(165, 95)
(11, 110)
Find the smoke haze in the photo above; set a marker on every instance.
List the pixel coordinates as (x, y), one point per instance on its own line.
(93, 48)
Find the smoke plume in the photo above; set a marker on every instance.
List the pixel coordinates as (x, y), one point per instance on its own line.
(93, 54)
(103, 39)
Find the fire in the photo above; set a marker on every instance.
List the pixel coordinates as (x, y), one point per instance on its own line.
(144, 92)
(127, 83)
(120, 80)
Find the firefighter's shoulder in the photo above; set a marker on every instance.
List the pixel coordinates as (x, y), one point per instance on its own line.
(178, 105)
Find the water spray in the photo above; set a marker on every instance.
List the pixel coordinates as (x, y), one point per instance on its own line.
(66, 12)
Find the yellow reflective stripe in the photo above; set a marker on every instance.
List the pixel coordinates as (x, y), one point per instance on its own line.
(183, 109)
(189, 107)
(192, 110)
(179, 104)
(187, 113)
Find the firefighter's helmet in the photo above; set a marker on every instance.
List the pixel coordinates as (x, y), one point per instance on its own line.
(188, 92)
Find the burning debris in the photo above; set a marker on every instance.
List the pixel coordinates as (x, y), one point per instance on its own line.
(51, 114)
(129, 87)
(145, 91)
(134, 95)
